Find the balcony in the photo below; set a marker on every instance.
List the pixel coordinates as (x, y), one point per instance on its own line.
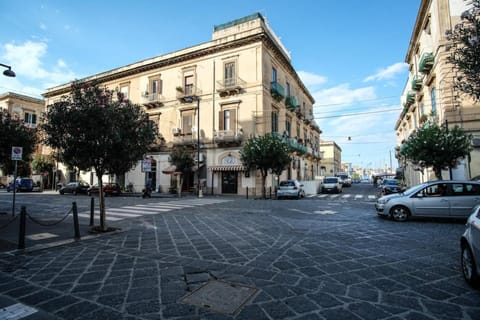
(230, 86)
(417, 83)
(277, 91)
(188, 93)
(152, 100)
(426, 62)
(291, 103)
(228, 137)
(186, 139)
(410, 98)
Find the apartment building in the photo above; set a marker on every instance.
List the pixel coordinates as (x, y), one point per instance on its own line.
(429, 91)
(332, 158)
(211, 98)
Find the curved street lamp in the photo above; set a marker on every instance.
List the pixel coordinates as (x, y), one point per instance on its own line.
(8, 72)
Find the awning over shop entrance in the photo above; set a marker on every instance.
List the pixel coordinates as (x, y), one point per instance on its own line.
(169, 170)
(237, 167)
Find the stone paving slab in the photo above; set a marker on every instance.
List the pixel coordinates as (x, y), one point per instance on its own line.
(347, 265)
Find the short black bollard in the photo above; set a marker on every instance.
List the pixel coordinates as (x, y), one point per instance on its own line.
(21, 234)
(75, 220)
(92, 212)
(247, 192)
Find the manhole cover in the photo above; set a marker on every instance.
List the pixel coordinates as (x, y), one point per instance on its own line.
(41, 236)
(220, 296)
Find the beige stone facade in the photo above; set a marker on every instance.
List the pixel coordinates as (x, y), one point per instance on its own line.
(429, 92)
(332, 158)
(219, 93)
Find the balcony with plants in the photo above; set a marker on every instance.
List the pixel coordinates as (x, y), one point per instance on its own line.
(416, 83)
(277, 91)
(291, 103)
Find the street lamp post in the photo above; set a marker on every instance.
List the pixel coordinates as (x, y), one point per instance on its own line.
(8, 72)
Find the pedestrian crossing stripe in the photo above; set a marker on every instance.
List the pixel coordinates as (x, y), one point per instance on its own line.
(121, 213)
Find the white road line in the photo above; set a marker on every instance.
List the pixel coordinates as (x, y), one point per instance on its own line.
(358, 196)
(87, 215)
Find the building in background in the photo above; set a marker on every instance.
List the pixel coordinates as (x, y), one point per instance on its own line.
(332, 158)
(213, 96)
(429, 91)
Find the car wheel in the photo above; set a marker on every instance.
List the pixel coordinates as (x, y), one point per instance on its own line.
(61, 192)
(468, 266)
(399, 213)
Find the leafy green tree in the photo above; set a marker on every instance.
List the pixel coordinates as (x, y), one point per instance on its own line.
(43, 164)
(436, 146)
(98, 128)
(266, 153)
(14, 133)
(182, 159)
(464, 47)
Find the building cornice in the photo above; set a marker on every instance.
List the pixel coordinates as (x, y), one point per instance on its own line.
(12, 95)
(422, 13)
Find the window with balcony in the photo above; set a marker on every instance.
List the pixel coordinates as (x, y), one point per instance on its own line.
(274, 121)
(227, 119)
(288, 89)
(288, 127)
(433, 100)
(188, 83)
(298, 129)
(187, 122)
(274, 74)
(125, 89)
(229, 74)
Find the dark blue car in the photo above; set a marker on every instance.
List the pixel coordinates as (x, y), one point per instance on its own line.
(21, 184)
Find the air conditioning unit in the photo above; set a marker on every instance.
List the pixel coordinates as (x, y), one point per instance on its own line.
(176, 131)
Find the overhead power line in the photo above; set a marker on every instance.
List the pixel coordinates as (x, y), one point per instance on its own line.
(358, 113)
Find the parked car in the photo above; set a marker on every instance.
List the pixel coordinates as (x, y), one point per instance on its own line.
(290, 189)
(346, 181)
(443, 198)
(332, 184)
(21, 184)
(75, 188)
(390, 186)
(470, 248)
(109, 189)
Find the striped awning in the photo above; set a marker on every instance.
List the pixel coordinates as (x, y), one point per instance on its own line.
(235, 167)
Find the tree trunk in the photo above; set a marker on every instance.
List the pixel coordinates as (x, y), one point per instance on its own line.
(264, 178)
(438, 172)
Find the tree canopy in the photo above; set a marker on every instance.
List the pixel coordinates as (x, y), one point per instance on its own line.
(98, 128)
(436, 146)
(464, 48)
(14, 133)
(266, 153)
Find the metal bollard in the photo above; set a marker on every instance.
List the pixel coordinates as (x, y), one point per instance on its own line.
(21, 233)
(92, 212)
(247, 192)
(75, 220)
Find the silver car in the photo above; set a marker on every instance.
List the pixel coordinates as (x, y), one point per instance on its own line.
(470, 246)
(443, 198)
(332, 184)
(290, 189)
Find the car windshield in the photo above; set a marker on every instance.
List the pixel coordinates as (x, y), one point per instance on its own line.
(392, 182)
(331, 180)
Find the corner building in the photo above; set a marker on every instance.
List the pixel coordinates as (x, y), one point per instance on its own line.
(429, 92)
(211, 98)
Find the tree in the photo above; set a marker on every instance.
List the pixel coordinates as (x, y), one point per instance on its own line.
(266, 153)
(14, 133)
(436, 146)
(98, 128)
(43, 165)
(182, 159)
(464, 50)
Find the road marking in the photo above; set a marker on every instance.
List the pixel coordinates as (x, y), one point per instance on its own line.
(16, 311)
(358, 196)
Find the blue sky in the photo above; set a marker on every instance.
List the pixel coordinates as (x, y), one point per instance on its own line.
(350, 54)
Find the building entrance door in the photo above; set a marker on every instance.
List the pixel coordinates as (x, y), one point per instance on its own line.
(229, 182)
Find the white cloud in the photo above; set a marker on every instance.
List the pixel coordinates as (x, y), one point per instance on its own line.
(28, 59)
(311, 79)
(388, 73)
(343, 95)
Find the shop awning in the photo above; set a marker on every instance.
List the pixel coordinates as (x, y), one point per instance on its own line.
(237, 167)
(170, 169)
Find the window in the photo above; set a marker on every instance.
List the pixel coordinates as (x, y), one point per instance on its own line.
(125, 89)
(155, 87)
(298, 129)
(434, 101)
(288, 89)
(227, 119)
(30, 119)
(288, 127)
(274, 75)
(187, 122)
(188, 84)
(422, 109)
(229, 74)
(275, 121)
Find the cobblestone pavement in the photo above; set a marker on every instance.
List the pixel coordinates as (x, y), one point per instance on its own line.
(308, 259)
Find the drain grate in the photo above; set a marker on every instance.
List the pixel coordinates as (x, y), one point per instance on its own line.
(220, 296)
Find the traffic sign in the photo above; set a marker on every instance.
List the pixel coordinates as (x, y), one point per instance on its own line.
(17, 153)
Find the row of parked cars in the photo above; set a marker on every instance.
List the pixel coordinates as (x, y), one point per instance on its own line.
(81, 187)
(294, 189)
(442, 199)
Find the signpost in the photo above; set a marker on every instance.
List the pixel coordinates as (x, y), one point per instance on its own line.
(16, 155)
